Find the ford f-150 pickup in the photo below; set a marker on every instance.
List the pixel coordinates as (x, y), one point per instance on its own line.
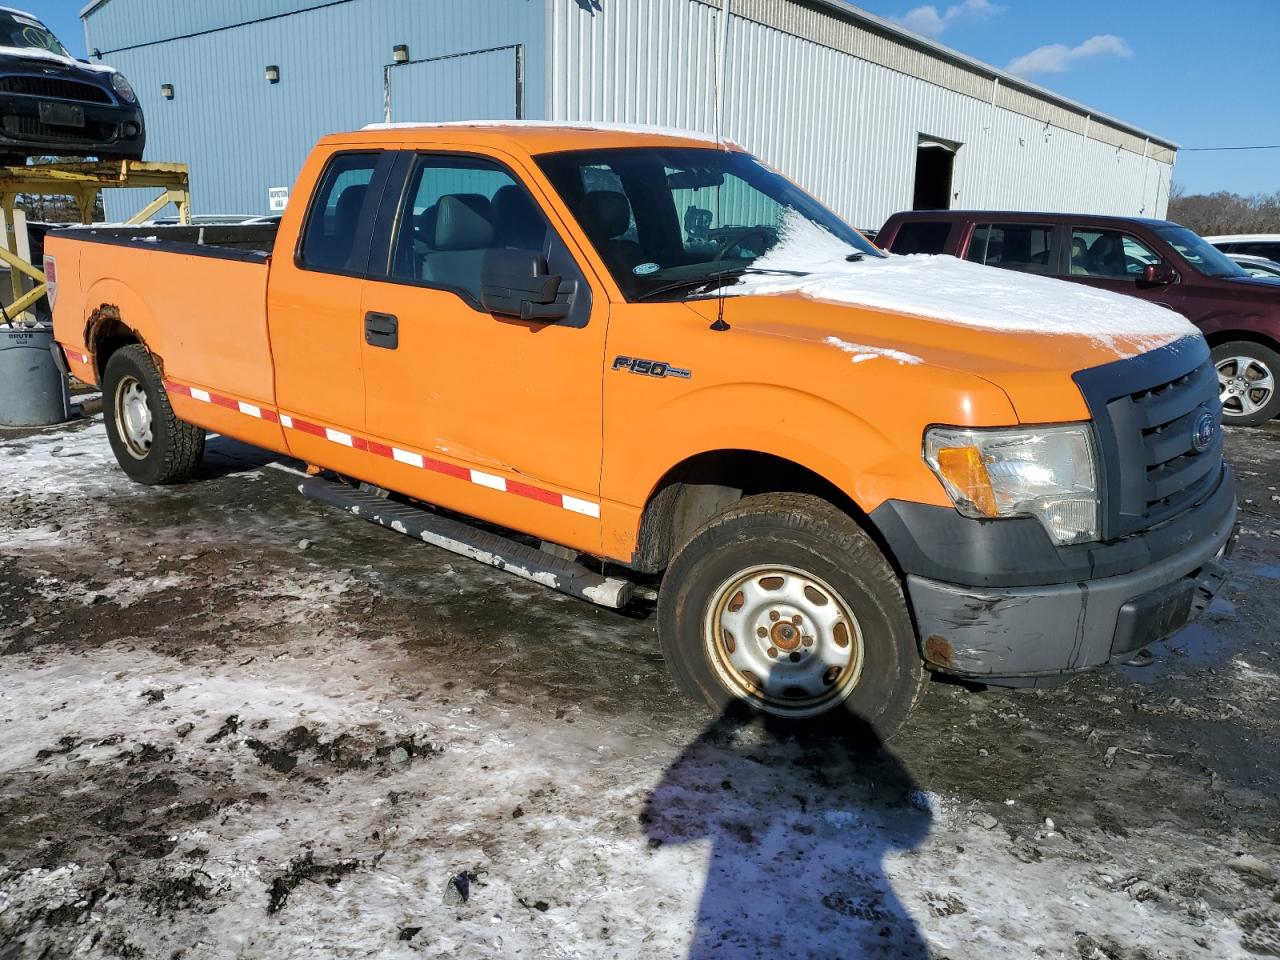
(645, 354)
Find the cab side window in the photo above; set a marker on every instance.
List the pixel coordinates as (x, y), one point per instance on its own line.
(329, 241)
(1024, 247)
(1108, 255)
(921, 236)
(455, 210)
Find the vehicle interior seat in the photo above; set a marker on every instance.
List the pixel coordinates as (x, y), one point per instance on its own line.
(1079, 257)
(1106, 256)
(517, 222)
(606, 216)
(458, 230)
(338, 243)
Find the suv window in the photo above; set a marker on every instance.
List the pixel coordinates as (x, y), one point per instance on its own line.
(1013, 246)
(456, 209)
(1270, 250)
(1108, 254)
(329, 241)
(921, 236)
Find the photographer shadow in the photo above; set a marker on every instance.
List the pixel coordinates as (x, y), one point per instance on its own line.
(799, 827)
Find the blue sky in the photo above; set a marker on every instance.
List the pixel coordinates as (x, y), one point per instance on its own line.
(1203, 74)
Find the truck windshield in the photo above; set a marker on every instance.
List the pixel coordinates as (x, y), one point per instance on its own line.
(1203, 256)
(673, 221)
(27, 33)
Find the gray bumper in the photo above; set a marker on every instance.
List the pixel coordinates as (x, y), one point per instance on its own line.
(1029, 633)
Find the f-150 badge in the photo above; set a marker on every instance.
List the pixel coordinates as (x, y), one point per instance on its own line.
(650, 368)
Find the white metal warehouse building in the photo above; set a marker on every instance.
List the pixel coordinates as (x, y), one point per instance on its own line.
(869, 117)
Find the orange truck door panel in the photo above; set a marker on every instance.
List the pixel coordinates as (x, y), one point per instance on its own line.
(504, 414)
(314, 310)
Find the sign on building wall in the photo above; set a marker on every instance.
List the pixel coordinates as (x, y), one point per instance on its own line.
(277, 198)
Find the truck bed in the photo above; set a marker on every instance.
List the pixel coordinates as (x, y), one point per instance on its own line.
(196, 296)
(248, 241)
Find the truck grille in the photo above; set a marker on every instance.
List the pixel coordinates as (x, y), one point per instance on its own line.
(1146, 411)
(54, 88)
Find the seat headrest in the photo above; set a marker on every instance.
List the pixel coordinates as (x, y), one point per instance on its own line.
(347, 209)
(517, 221)
(460, 221)
(607, 214)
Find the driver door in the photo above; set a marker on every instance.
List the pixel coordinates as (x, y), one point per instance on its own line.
(1113, 260)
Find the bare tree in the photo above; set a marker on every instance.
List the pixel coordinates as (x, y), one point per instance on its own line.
(1225, 213)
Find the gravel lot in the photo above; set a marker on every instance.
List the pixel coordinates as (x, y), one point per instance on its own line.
(236, 724)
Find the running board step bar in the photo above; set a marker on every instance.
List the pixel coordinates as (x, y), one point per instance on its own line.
(489, 548)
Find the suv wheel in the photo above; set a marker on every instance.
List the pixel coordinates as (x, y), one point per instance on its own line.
(1247, 384)
(785, 605)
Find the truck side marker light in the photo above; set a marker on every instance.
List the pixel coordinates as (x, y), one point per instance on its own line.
(963, 469)
(586, 508)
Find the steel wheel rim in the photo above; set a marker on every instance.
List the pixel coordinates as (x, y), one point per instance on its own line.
(1245, 385)
(133, 417)
(767, 657)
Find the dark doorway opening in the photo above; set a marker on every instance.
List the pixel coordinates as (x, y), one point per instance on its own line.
(935, 162)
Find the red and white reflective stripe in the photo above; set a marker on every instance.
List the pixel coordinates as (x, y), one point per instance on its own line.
(218, 400)
(75, 355)
(587, 508)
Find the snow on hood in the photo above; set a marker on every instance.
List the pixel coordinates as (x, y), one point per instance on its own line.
(956, 291)
(36, 53)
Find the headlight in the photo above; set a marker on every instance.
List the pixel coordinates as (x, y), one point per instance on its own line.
(1042, 472)
(121, 86)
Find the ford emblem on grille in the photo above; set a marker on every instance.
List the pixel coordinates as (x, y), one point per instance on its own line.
(1203, 432)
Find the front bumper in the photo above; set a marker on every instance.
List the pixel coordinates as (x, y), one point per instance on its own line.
(109, 130)
(1031, 634)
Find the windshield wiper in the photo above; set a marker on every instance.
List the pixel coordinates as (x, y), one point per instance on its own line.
(719, 279)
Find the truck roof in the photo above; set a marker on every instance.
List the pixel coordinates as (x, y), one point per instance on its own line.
(534, 136)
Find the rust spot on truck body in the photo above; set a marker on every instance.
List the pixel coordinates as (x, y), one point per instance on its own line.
(939, 651)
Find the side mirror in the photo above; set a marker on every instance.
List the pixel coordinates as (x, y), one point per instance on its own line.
(1159, 274)
(515, 283)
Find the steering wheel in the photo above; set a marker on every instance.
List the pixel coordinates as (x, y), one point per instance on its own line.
(735, 239)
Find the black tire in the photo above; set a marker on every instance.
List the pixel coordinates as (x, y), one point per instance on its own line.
(1237, 359)
(174, 448)
(802, 537)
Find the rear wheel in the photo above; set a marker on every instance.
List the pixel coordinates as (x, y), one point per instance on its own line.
(150, 443)
(1247, 386)
(783, 604)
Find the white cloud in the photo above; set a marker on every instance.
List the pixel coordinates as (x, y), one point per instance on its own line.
(928, 21)
(1058, 57)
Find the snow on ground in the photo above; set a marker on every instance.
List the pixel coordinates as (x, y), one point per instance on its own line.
(955, 291)
(226, 745)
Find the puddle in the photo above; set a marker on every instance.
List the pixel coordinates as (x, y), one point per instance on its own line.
(1209, 642)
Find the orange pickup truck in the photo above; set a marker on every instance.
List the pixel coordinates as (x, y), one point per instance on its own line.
(645, 353)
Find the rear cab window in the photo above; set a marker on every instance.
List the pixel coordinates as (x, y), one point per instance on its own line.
(339, 221)
(921, 236)
(1025, 247)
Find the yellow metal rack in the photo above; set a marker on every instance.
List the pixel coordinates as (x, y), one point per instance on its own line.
(83, 182)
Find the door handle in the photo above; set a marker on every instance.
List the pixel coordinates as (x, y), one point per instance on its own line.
(381, 330)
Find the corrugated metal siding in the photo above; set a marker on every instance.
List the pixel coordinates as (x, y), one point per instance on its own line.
(844, 127)
(127, 23)
(242, 135)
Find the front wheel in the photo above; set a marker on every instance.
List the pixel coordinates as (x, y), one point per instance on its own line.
(785, 605)
(1247, 374)
(150, 443)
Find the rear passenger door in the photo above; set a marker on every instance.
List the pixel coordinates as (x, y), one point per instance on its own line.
(1025, 247)
(485, 414)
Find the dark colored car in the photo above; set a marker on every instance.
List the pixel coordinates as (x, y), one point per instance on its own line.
(53, 104)
(1156, 260)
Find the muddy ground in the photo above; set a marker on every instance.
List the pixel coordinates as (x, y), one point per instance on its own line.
(234, 723)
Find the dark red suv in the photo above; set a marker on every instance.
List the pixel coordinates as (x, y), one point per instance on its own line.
(1153, 259)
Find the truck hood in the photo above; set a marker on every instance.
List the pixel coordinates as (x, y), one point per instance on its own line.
(1024, 333)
